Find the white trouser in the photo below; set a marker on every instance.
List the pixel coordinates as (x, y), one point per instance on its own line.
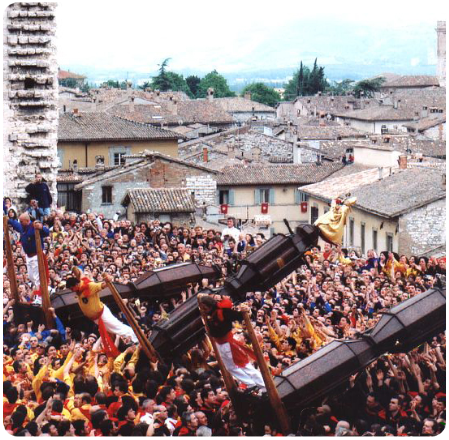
(113, 325)
(33, 270)
(247, 374)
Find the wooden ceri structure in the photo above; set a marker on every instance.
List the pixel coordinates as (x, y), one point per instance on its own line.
(10, 261)
(145, 344)
(46, 304)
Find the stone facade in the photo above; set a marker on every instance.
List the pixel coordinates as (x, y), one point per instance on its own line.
(204, 189)
(423, 229)
(158, 174)
(30, 95)
(441, 52)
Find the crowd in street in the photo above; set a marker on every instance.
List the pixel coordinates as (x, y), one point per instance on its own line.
(60, 382)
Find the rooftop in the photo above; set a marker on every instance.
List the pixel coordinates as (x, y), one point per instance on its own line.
(393, 195)
(412, 81)
(96, 126)
(65, 74)
(381, 113)
(178, 113)
(239, 104)
(271, 174)
(159, 200)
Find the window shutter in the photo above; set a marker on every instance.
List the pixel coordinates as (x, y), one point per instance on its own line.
(231, 197)
(297, 196)
(257, 196)
(271, 196)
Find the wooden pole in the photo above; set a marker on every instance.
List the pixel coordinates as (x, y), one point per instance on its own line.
(227, 377)
(145, 344)
(46, 304)
(10, 262)
(273, 395)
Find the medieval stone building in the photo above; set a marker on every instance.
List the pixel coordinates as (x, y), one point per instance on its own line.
(441, 52)
(30, 93)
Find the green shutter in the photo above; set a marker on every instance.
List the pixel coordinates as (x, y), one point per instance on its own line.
(271, 196)
(231, 197)
(257, 196)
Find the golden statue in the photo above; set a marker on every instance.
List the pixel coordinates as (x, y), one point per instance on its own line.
(332, 223)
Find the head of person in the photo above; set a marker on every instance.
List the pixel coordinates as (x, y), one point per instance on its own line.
(73, 284)
(24, 219)
(230, 222)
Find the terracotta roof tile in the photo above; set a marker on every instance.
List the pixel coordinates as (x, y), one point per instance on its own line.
(268, 174)
(160, 200)
(103, 126)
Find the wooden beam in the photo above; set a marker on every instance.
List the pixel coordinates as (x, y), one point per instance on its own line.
(10, 262)
(145, 344)
(43, 287)
(273, 395)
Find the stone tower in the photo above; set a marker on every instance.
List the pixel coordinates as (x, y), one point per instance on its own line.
(441, 52)
(30, 94)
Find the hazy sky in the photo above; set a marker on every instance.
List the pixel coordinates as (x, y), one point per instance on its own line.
(232, 35)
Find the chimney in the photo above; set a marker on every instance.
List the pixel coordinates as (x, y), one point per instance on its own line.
(231, 151)
(424, 112)
(205, 155)
(402, 162)
(443, 179)
(173, 105)
(247, 95)
(76, 113)
(210, 94)
(381, 173)
(131, 104)
(255, 154)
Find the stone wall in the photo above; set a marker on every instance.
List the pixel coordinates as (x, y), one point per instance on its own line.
(441, 52)
(204, 189)
(159, 174)
(30, 95)
(423, 229)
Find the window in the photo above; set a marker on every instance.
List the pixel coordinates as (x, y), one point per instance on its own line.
(362, 238)
(68, 197)
(264, 195)
(223, 197)
(389, 242)
(313, 214)
(300, 196)
(351, 232)
(106, 195)
(119, 159)
(116, 155)
(375, 239)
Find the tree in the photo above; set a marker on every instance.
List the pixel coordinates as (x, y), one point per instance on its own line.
(162, 81)
(341, 88)
(262, 93)
(69, 82)
(167, 80)
(193, 83)
(218, 83)
(306, 82)
(367, 87)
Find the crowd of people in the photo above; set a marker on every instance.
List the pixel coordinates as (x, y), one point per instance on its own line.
(60, 382)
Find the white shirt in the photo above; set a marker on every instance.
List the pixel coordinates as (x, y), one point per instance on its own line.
(232, 232)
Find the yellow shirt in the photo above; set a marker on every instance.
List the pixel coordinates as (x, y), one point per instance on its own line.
(89, 300)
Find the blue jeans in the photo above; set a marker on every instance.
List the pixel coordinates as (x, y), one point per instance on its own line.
(46, 211)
